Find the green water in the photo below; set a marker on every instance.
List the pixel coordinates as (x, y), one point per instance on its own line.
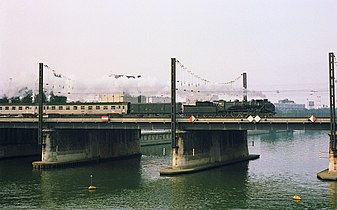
(288, 166)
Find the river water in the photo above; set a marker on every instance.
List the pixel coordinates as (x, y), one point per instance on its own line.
(288, 166)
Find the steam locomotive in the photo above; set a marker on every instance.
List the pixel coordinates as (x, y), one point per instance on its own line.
(231, 108)
(221, 108)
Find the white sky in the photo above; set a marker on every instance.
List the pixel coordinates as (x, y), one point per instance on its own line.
(281, 44)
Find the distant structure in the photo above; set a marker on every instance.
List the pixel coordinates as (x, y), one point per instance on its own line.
(311, 104)
(116, 97)
(191, 99)
(286, 105)
(125, 97)
(134, 99)
(158, 99)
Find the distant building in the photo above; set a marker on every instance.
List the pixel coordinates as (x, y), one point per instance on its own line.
(134, 99)
(311, 104)
(288, 105)
(125, 97)
(157, 99)
(122, 97)
(116, 97)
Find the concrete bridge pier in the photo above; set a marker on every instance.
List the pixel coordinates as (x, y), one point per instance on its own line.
(48, 146)
(73, 147)
(333, 162)
(330, 174)
(200, 150)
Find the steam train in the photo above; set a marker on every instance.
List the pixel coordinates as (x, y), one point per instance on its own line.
(231, 108)
(221, 108)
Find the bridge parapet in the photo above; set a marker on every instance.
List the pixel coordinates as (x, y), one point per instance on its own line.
(165, 123)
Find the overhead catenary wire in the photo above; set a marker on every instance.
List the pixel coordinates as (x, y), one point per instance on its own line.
(188, 86)
(65, 84)
(206, 81)
(190, 83)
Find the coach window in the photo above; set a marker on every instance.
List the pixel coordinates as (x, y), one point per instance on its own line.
(60, 107)
(89, 107)
(113, 107)
(105, 107)
(75, 107)
(119, 107)
(27, 108)
(20, 107)
(6, 108)
(82, 107)
(98, 107)
(67, 107)
(13, 107)
(53, 108)
(0, 107)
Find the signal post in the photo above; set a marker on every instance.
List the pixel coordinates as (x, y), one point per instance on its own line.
(331, 172)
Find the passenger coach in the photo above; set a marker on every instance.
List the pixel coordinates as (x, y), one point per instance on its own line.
(29, 110)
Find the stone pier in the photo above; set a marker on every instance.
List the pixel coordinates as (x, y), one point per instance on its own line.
(200, 150)
(72, 147)
(18, 142)
(330, 174)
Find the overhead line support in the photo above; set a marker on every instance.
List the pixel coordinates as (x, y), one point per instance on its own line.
(173, 103)
(40, 102)
(332, 102)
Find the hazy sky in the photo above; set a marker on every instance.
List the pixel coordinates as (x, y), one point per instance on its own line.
(282, 44)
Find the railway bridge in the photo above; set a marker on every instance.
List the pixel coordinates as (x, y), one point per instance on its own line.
(201, 142)
(197, 144)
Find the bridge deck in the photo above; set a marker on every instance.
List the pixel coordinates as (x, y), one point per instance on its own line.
(165, 123)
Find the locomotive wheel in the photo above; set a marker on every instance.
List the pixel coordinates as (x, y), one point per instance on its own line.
(235, 114)
(270, 115)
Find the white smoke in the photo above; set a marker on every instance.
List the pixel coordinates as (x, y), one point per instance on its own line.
(17, 85)
(91, 89)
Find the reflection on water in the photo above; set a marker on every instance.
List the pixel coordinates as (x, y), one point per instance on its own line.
(277, 136)
(216, 188)
(108, 176)
(157, 150)
(332, 195)
(287, 166)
